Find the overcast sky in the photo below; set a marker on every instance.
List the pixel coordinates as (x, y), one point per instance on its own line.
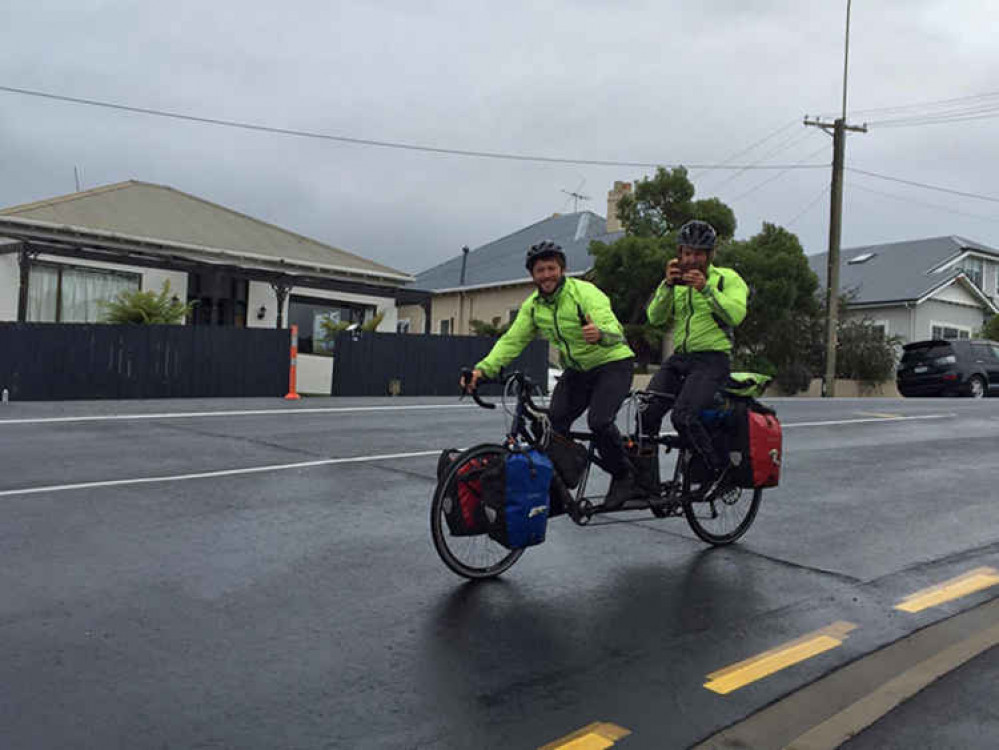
(660, 82)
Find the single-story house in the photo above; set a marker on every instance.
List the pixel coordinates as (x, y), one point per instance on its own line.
(60, 257)
(490, 282)
(939, 287)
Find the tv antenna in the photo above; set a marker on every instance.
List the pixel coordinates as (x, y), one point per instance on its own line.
(577, 196)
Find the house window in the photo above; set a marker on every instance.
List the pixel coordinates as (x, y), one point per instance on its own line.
(59, 293)
(318, 319)
(402, 326)
(446, 324)
(950, 332)
(974, 269)
(881, 328)
(512, 314)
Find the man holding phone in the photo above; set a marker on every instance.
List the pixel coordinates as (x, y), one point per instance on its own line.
(704, 303)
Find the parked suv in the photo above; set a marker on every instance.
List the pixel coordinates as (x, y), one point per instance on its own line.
(949, 368)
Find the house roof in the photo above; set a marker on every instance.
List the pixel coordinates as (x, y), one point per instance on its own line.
(142, 209)
(502, 261)
(897, 271)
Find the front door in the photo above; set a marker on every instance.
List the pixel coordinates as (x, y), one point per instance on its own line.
(221, 299)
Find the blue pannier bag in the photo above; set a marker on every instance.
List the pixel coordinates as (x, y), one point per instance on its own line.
(518, 515)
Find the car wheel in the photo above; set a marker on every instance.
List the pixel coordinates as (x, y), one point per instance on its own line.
(976, 386)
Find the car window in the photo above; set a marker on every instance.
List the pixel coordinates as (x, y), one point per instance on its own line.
(926, 353)
(995, 352)
(981, 351)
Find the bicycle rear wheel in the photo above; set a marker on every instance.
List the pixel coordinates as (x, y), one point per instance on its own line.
(472, 557)
(726, 518)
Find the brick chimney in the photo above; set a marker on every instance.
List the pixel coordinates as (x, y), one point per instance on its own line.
(619, 190)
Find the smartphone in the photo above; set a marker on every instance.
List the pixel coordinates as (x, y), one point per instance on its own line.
(683, 269)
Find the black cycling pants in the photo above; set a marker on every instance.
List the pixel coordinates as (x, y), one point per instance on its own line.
(692, 380)
(602, 390)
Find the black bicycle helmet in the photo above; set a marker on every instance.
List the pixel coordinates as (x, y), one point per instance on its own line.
(544, 249)
(697, 234)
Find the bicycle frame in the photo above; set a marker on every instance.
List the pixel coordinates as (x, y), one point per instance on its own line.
(718, 520)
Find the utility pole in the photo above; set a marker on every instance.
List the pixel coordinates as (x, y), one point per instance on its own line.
(838, 129)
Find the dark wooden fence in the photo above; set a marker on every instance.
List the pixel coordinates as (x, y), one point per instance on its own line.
(365, 364)
(55, 361)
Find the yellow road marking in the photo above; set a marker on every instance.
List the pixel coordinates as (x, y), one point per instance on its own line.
(968, 583)
(597, 736)
(739, 675)
(883, 415)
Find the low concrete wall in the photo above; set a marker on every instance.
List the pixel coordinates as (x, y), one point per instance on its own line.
(853, 389)
(315, 375)
(844, 388)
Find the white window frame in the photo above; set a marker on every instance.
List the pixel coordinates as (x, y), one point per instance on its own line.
(978, 260)
(959, 328)
(884, 325)
(403, 325)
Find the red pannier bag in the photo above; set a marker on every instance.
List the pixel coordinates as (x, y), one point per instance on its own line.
(757, 450)
(463, 509)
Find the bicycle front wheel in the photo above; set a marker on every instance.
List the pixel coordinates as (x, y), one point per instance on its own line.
(723, 520)
(473, 557)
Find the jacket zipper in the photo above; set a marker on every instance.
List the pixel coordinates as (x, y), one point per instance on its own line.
(558, 332)
(690, 315)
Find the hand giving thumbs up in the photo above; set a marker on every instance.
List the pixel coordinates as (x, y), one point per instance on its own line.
(591, 334)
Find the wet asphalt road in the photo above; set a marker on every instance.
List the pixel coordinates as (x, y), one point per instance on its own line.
(306, 608)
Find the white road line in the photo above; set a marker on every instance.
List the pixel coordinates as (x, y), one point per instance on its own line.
(250, 412)
(215, 474)
(872, 420)
(355, 459)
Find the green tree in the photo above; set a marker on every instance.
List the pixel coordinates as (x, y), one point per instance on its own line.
(146, 308)
(991, 329)
(782, 332)
(864, 353)
(329, 328)
(629, 269)
(661, 204)
(493, 329)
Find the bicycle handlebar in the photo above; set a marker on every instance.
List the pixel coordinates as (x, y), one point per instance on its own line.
(466, 376)
(522, 380)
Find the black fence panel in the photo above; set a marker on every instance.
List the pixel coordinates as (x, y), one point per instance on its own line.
(366, 364)
(59, 361)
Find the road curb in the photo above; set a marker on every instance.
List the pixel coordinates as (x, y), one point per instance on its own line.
(833, 709)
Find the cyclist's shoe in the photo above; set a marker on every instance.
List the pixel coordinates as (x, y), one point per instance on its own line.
(621, 490)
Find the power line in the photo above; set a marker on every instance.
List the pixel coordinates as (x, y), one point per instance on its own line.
(774, 177)
(925, 204)
(922, 105)
(785, 145)
(924, 185)
(810, 206)
(756, 143)
(905, 122)
(385, 144)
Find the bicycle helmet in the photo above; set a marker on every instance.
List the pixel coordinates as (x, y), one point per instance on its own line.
(544, 249)
(697, 234)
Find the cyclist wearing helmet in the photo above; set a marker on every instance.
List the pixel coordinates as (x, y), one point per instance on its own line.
(576, 317)
(704, 303)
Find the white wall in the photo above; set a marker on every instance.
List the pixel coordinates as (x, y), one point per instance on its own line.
(152, 279)
(261, 294)
(897, 319)
(10, 279)
(933, 312)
